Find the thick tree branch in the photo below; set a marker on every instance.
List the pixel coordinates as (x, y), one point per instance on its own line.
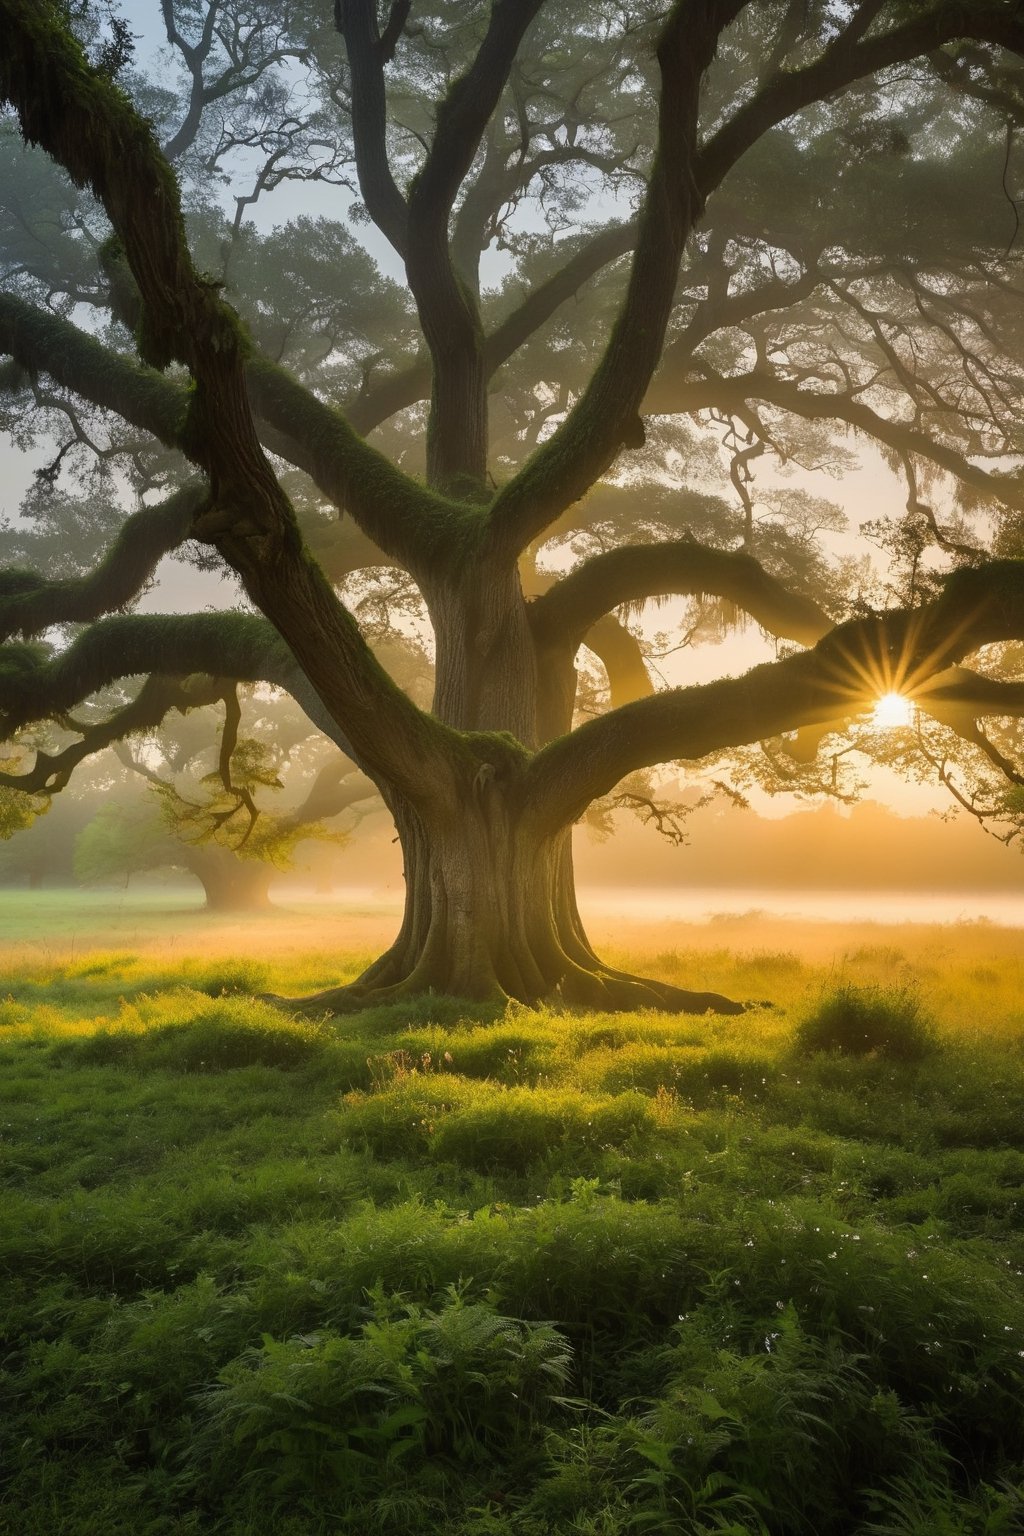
(965, 693)
(368, 52)
(35, 686)
(398, 391)
(542, 302)
(682, 567)
(79, 118)
(195, 56)
(849, 58)
(29, 603)
(401, 517)
(900, 651)
(467, 109)
(336, 788)
(410, 523)
(606, 417)
(41, 342)
(620, 654)
(448, 310)
(395, 26)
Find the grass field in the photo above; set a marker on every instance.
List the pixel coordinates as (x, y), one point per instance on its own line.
(429, 1270)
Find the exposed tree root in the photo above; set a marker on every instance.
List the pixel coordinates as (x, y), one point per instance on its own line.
(602, 989)
(491, 917)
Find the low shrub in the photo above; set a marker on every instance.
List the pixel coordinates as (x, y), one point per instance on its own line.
(861, 1021)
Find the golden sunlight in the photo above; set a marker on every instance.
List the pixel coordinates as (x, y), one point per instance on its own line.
(892, 710)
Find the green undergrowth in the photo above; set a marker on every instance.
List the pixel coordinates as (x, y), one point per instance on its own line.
(429, 1269)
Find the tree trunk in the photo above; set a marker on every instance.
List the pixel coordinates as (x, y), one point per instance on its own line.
(491, 915)
(490, 909)
(485, 667)
(231, 884)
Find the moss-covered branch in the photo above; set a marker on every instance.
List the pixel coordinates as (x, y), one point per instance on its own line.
(403, 519)
(29, 603)
(905, 650)
(678, 567)
(42, 342)
(36, 685)
(411, 524)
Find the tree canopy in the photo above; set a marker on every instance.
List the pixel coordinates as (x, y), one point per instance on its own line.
(659, 267)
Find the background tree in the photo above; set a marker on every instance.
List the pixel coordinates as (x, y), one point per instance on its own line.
(787, 260)
(223, 820)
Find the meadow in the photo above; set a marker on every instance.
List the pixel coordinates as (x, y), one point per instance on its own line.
(429, 1269)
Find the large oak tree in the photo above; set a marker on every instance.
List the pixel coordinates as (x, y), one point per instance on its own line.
(808, 224)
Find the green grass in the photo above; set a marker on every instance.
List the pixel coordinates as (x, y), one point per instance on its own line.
(428, 1270)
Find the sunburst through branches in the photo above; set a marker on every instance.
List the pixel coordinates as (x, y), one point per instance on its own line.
(892, 711)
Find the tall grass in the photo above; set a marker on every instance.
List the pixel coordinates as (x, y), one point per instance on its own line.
(428, 1270)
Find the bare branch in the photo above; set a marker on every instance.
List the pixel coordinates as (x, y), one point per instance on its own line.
(336, 788)
(706, 389)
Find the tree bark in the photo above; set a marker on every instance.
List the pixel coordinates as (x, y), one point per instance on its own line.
(485, 667)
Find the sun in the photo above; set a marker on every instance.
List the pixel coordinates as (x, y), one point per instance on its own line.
(891, 711)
